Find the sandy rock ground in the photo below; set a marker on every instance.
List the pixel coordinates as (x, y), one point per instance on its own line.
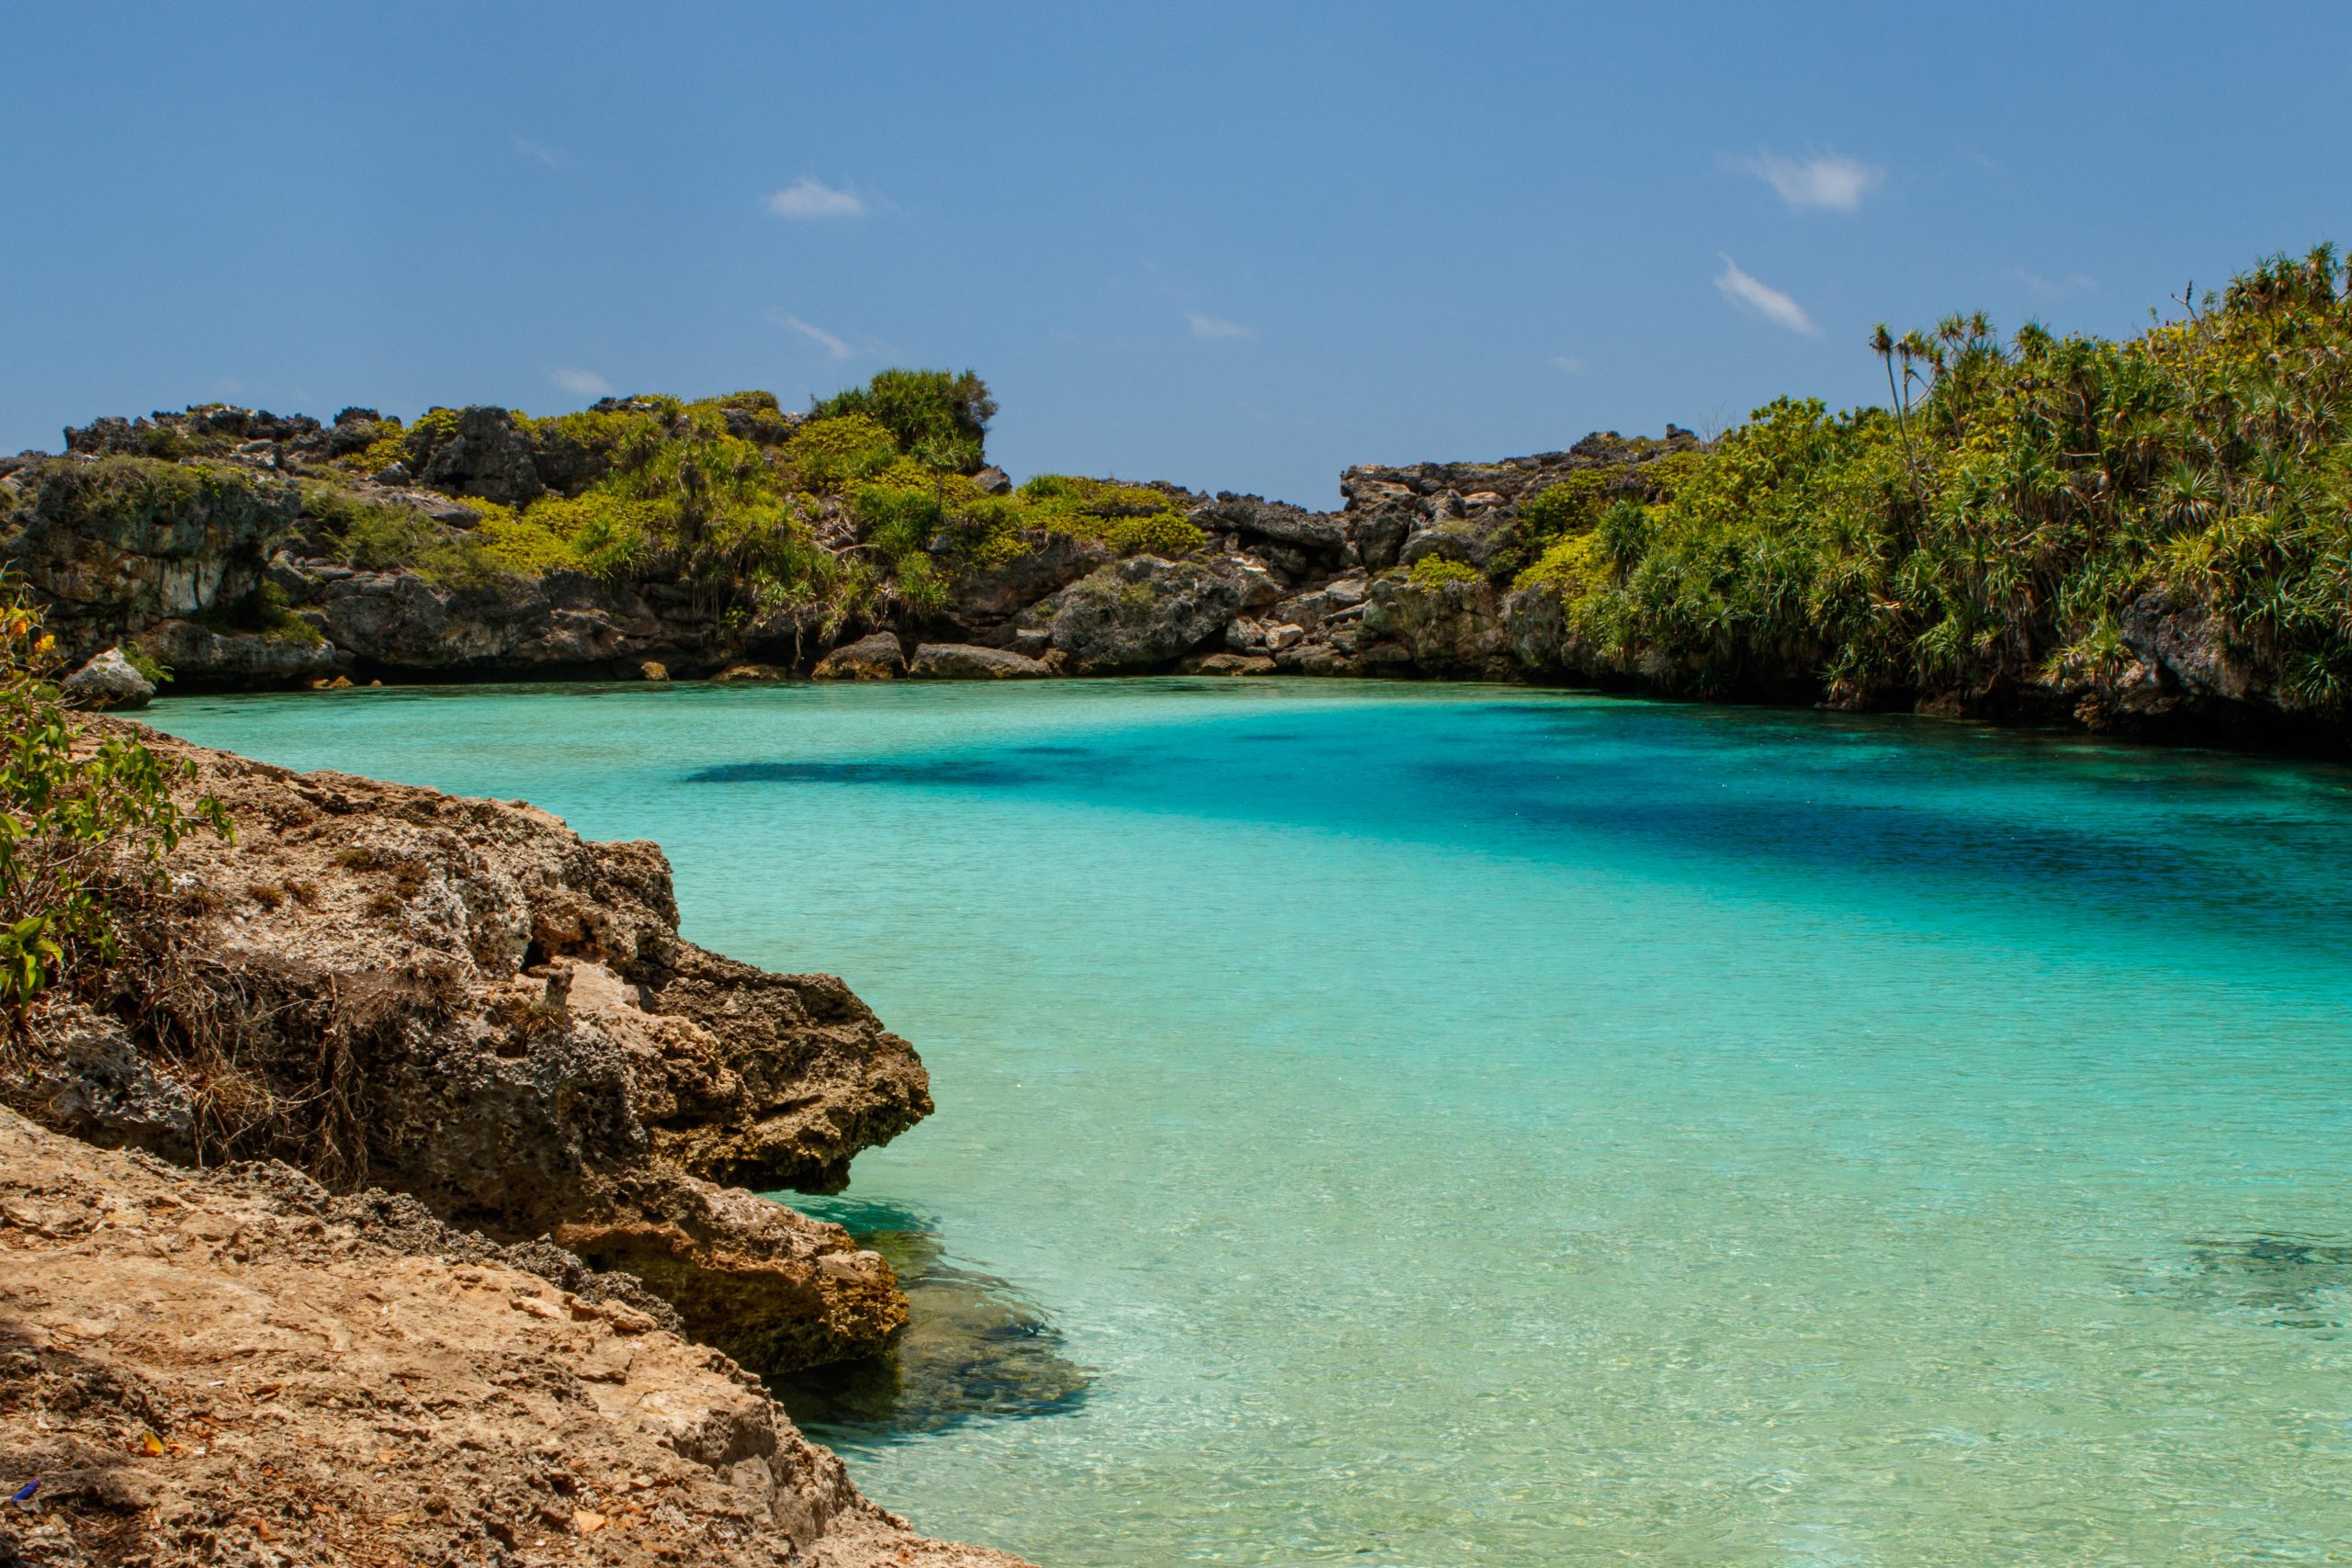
(236, 1367)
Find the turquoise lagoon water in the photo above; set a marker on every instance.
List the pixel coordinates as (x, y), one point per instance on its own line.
(1460, 1125)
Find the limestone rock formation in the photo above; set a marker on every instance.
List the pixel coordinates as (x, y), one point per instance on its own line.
(238, 1366)
(964, 662)
(1143, 611)
(464, 1001)
(873, 657)
(107, 681)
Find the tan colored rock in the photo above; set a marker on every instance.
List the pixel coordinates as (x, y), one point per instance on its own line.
(1228, 664)
(749, 674)
(653, 669)
(367, 970)
(964, 662)
(235, 1368)
(875, 656)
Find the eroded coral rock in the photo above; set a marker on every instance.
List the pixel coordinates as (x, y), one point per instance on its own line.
(358, 983)
(238, 1366)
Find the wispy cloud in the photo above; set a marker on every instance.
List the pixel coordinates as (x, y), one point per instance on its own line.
(2054, 288)
(813, 200)
(1567, 363)
(834, 346)
(538, 153)
(1764, 299)
(1832, 184)
(581, 383)
(1215, 326)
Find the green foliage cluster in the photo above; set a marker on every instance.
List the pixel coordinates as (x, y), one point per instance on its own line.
(376, 536)
(1129, 518)
(80, 825)
(725, 496)
(941, 421)
(1992, 524)
(1435, 571)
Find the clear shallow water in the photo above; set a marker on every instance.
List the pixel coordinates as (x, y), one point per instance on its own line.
(1459, 1125)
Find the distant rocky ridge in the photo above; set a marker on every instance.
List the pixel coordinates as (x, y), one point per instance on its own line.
(226, 580)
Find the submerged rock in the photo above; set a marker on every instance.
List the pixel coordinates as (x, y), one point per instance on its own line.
(108, 681)
(974, 1348)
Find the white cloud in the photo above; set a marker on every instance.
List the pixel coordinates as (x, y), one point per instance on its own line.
(834, 346)
(1764, 299)
(538, 151)
(1833, 182)
(808, 198)
(581, 383)
(1571, 365)
(1215, 326)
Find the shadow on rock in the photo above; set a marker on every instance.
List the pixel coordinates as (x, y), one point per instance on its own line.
(973, 1347)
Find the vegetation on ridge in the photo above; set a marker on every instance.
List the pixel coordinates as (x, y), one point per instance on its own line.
(1997, 523)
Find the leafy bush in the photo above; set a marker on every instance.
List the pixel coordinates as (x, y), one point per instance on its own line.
(1436, 572)
(941, 421)
(833, 452)
(1991, 524)
(1129, 518)
(76, 830)
(1570, 506)
(377, 536)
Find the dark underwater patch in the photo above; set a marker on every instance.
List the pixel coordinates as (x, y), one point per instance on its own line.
(970, 772)
(2280, 1281)
(974, 1348)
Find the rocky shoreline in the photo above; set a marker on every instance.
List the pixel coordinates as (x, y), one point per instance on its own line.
(390, 1023)
(229, 576)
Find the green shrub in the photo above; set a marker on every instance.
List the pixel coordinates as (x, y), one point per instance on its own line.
(832, 452)
(1570, 506)
(1436, 572)
(376, 536)
(1129, 518)
(120, 488)
(78, 830)
(940, 420)
(153, 670)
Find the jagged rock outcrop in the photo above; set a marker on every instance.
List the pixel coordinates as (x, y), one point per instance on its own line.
(485, 451)
(115, 545)
(1450, 627)
(1144, 611)
(239, 1367)
(464, 1001)
(1047, 563)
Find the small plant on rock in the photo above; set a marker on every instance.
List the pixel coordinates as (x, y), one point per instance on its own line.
(81, 825)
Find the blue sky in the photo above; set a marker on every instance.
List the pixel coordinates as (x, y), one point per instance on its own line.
(1237, 247)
